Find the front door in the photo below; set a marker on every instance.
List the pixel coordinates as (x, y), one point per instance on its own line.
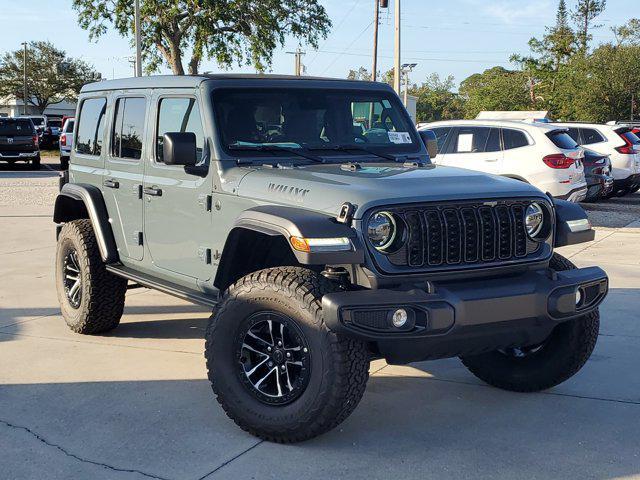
(177, 204)
(122, 180)
(474, 148)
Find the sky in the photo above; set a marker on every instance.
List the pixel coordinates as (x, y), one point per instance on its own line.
(455, 37)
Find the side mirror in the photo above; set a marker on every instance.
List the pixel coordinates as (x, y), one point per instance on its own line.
(179, 148)
(430, 141)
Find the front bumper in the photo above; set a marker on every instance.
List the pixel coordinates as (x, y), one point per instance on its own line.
(465, 317)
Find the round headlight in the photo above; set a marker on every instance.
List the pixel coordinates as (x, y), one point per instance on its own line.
(534, 219)
(381, 230)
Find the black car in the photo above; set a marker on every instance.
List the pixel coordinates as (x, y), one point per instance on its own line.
(597, 172)
(19, 141)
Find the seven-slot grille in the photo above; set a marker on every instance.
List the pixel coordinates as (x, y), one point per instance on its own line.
(464, 234)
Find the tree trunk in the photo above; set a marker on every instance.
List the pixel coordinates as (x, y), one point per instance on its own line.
(194, 64)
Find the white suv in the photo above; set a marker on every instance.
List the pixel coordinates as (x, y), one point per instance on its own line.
(66, 142)
(542, 155)
(619, 143)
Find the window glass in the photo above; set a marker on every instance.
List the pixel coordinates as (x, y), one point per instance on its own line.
(68, 126)
(631, 137)
(575, 134)
(561, 139)
(128, 128)
(590, 136)
(513, 139)
(37, 121)
(179, 115)
(54, 123)
(471, 140)
(19, 127)
(493, 142)
(442, 133)
(252, 121)
(91, 126)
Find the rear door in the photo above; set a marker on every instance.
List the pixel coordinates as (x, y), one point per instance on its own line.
(474, 148)
(177, 204)
(122, 179)
(16, 135)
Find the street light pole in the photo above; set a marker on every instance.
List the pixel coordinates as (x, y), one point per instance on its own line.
(396, 70)
(374, 69)
(137, 28)
(24, 78)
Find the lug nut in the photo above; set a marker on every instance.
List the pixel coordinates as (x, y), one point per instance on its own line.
(288, 354)
(270, 364)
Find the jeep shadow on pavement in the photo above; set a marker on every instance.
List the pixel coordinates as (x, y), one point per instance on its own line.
(306, 213)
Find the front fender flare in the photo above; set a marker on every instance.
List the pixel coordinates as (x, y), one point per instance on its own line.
(67, 209)
(570, 212)
(298, 222)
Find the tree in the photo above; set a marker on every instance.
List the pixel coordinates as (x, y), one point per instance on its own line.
(52, 76)
(229, 31)
(363, 74)
(629, 33)
(495, 89)
(583, 15)
(436, 99)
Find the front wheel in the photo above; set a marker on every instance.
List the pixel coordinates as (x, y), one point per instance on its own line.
(275, 367)
(539, 367)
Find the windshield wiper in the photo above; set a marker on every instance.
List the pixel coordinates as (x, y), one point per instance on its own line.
(275, 148)
(351, 148)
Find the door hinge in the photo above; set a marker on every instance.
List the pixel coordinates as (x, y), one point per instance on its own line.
(137, 190)
(205, 201)
(205, 255)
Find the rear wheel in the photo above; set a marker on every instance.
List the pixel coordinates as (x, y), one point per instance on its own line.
(35, 163)
(91, 298)
(539, 367)
(275, 367)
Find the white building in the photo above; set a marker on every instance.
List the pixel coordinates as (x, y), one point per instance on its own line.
(13, 107)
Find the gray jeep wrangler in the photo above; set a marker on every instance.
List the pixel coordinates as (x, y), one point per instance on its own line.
(306, 214)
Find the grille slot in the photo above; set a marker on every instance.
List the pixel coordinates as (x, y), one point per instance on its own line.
(464, 234)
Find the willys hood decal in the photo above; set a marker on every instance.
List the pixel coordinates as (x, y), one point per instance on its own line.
(324, 188)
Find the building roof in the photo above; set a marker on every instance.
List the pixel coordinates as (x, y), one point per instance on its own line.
(193, 81)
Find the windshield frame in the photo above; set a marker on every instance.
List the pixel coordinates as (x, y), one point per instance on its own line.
(329, 155)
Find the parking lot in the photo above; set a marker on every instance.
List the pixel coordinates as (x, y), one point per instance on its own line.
(136, 403)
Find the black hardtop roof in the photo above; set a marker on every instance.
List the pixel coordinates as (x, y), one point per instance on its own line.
(193, 81)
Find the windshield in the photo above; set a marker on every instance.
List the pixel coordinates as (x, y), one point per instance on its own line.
(15, 127)
(326, 121)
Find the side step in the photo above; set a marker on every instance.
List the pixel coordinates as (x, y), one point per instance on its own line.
(163, 286)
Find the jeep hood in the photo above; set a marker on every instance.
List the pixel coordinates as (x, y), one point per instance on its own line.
(324, 188)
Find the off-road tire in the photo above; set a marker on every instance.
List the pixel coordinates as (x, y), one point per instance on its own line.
(563, 354)
(103, 294)
(35, 163)
(339, 365)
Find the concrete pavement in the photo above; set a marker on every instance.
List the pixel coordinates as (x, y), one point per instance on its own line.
(136, 404)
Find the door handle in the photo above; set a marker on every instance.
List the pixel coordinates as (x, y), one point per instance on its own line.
(491, 160)
(152, 191)
(111, 183)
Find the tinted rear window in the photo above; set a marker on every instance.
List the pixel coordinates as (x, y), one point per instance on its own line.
(91, 126)
(54, 123)
(513, 139)
(441, 136)
(631, 137)
(37, 121)
(15, 127)
(562, 140)
(68, 127)
(591, 136)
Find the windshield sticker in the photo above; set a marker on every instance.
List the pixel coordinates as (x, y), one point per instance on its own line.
(399, 137)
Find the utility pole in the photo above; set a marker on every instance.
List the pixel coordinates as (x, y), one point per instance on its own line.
(374, 68)
(138, 71)
(407, 68)
(396, 69)
(297, 68)
(24, 79)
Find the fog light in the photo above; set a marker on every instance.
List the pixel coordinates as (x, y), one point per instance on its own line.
(399, 318)
(578, 297)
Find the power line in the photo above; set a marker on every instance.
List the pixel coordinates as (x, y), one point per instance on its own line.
(347, 48)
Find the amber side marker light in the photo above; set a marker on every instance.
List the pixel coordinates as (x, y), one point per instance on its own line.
(315, 245)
